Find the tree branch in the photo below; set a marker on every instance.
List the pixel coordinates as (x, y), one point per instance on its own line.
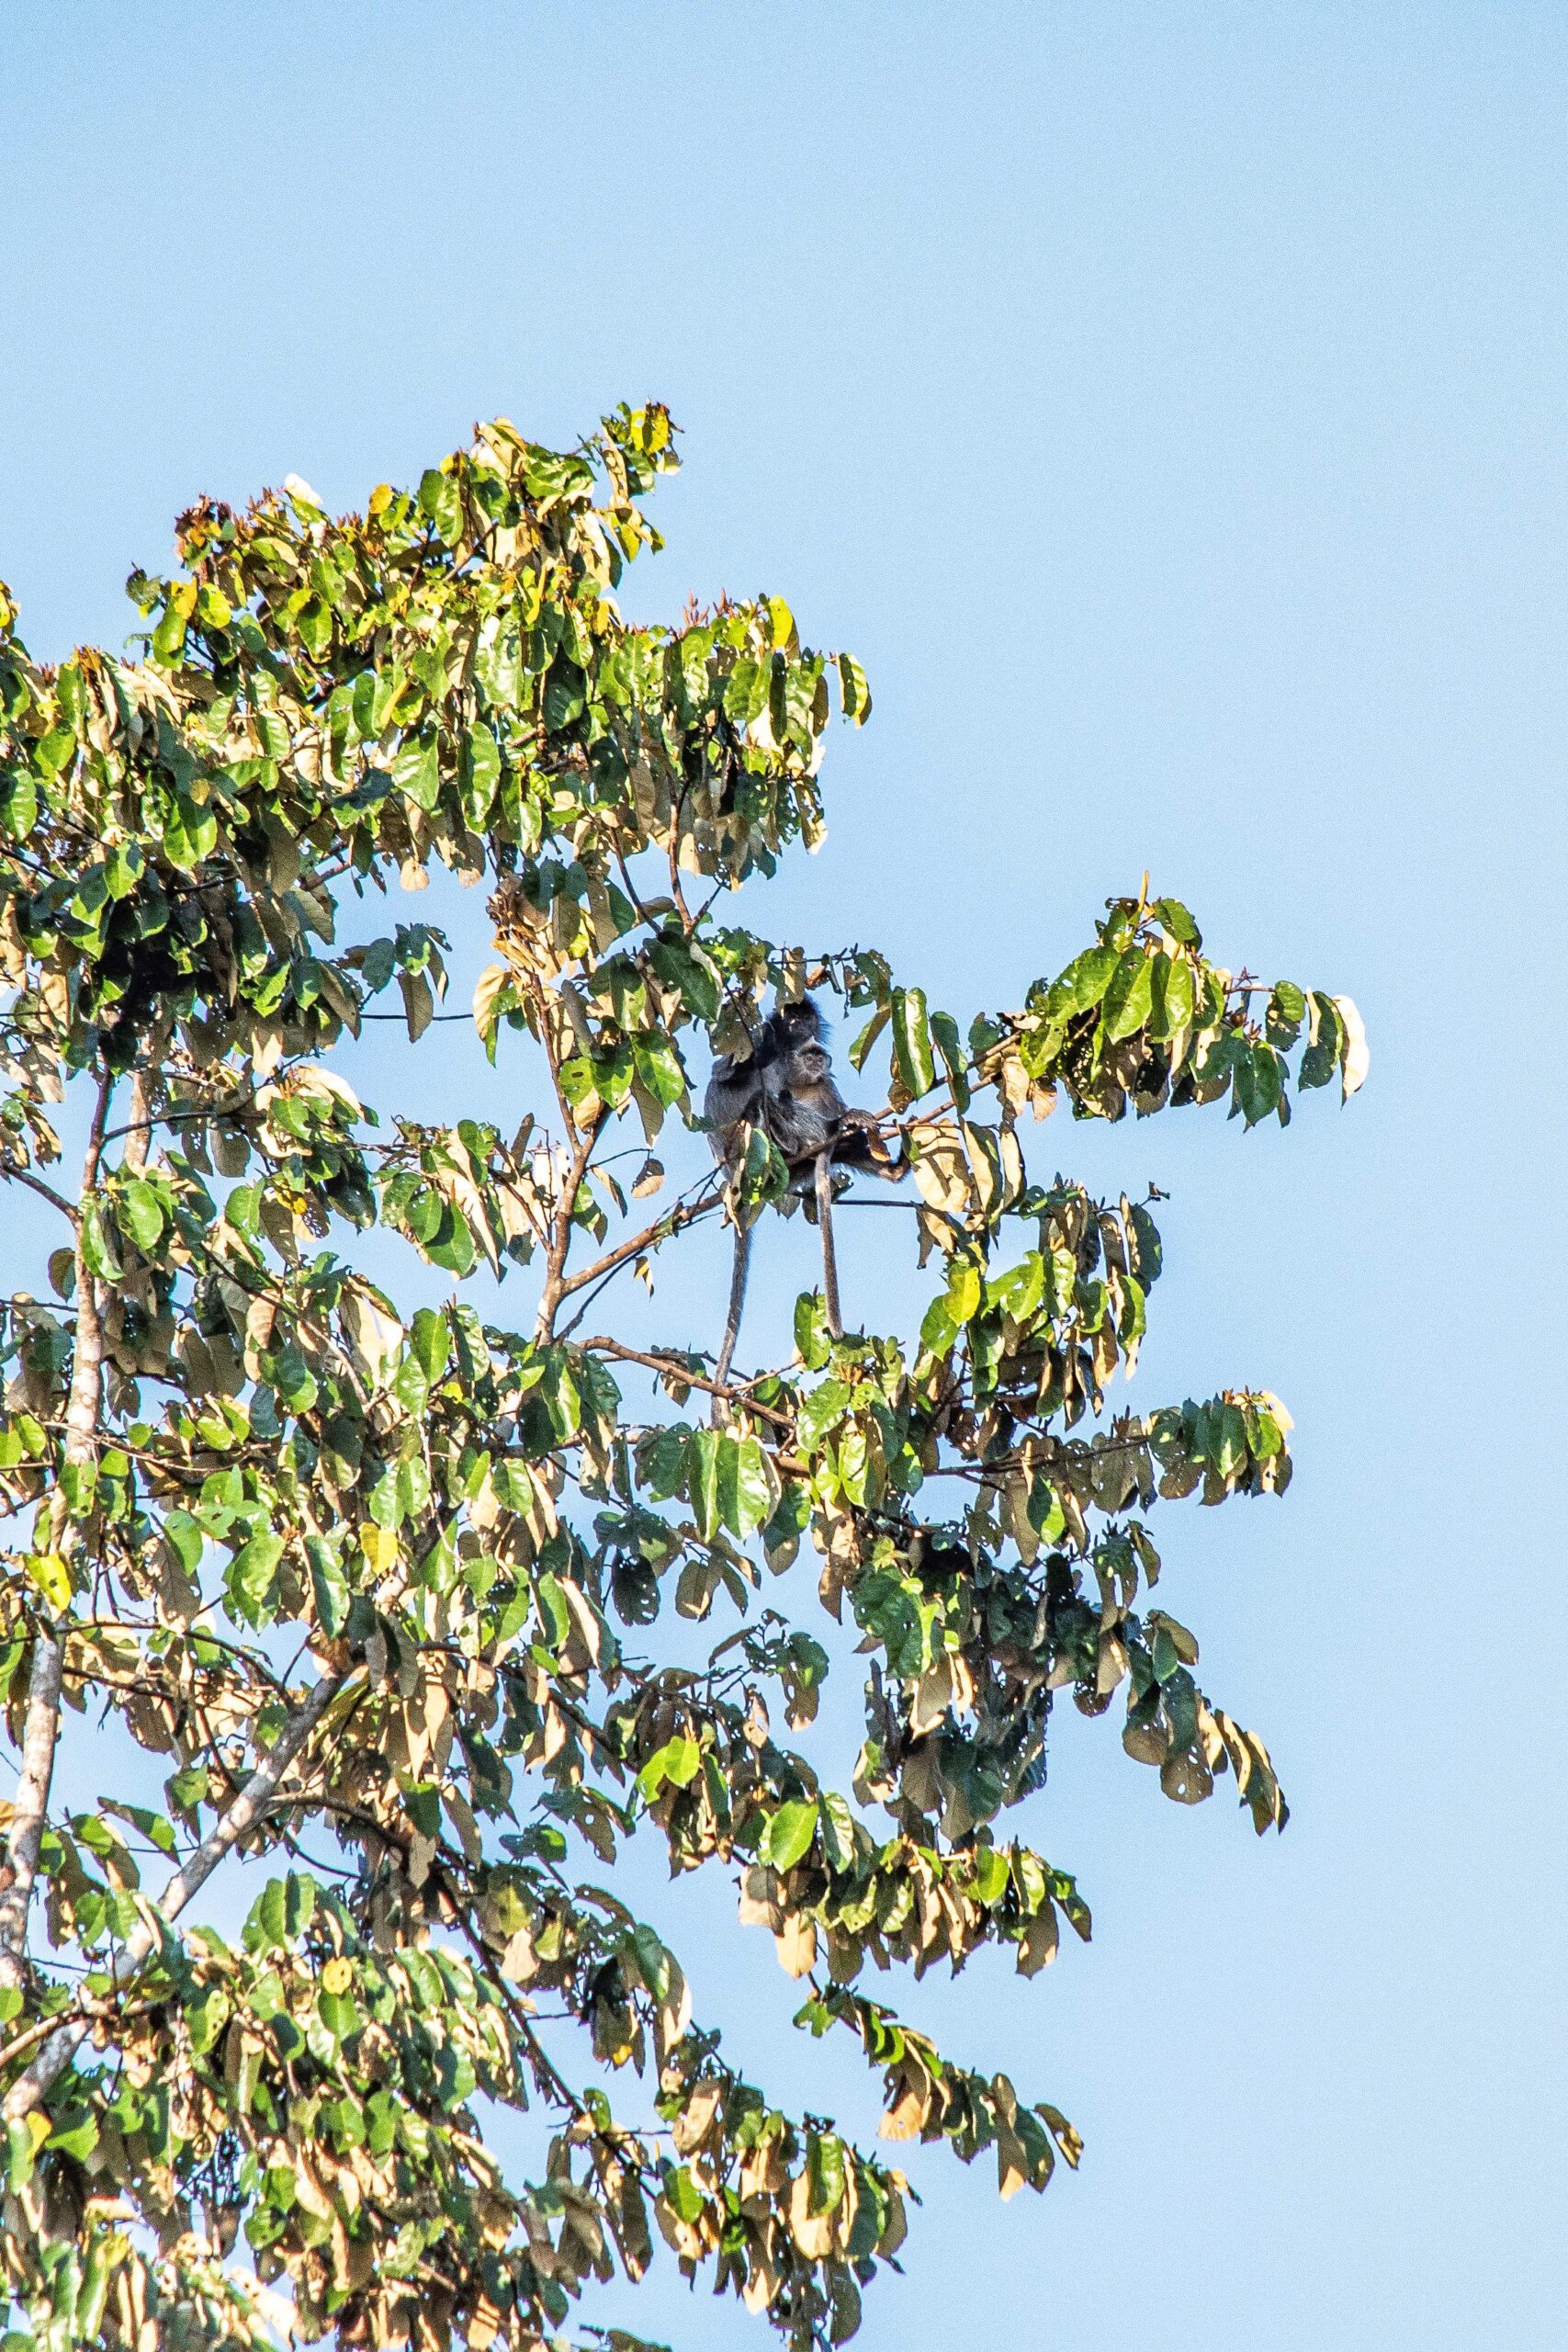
(673, 1367)
(40, 1729)
(139, 1131)
(670, 1224)
(45, 1192)
(560, 1239)
(253, 1801)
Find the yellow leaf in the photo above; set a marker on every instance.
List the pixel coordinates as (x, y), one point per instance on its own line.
(487, 989)
(812, 2233)
(1013, 2163)
(906, 2118)
(675, 2009)
(933, 1692)
(694, 2126)
(52, 1577)
(940, 1170)
(1038, 1948)
(484, 2325)
(796, 1944)
(374, 1334)
(379, 1545)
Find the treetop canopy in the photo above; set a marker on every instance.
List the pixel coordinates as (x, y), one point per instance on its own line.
(384, 1584)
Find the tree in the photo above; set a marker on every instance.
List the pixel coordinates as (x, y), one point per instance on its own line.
(387, 1582)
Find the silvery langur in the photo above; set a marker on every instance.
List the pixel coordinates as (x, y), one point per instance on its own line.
(786, 1086)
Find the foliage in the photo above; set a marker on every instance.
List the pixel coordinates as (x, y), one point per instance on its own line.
(384, 1582)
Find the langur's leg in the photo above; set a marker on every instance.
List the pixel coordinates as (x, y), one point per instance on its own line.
(829, 1263)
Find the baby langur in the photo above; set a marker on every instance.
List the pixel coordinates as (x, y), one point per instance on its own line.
(786, 1086)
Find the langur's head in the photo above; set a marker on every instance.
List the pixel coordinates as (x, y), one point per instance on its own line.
(793, 1035)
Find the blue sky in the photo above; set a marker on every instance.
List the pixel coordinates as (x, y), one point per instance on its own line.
(1168, 404)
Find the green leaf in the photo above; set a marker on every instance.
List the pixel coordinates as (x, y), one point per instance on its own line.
(659, 1067)
(679, 1760)
(937, 1329)
(825, 2171)
(410, 1387)
(912, 1055)
(861, 1046)
(813, 1344)
(1173, 995)
(186, 1538)
(50, 1572)
(746, 1491)
(1128, 996)
(169, 637)
(143, 1212)
(99, 1245)
(1082, 984)
(190, 833)
(1176, 922)
(788, 1834)
(439, 498)
(430, 1343)
(293, 1379)
(838, 1829)
(701, 1481)
(964, 1292)
(1259, 1081)
(1019, 1290)
(781, 1537)
(827, 1404)
(481, 772)
(746, 691)
(19, 805)
(1321, 1061)
(251, 1581)
(564, 697)
(21, 2155)
(329, 1587)
(75, 2135)
(945, 1029)
(416, 771)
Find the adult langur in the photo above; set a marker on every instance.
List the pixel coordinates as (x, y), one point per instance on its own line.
(785, 1088)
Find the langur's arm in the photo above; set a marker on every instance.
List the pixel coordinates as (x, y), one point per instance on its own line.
(861, 1145)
